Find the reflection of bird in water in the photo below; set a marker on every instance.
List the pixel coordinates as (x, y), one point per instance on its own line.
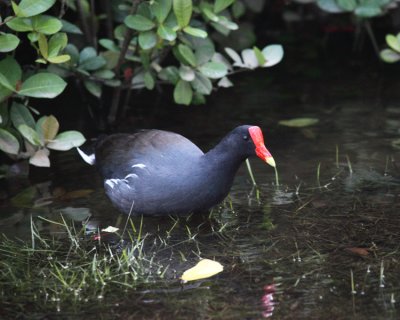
(267, 300)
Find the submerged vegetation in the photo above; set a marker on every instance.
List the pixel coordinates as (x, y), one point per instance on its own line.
(70, 270)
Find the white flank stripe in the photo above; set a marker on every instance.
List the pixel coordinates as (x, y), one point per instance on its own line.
(131, 175)
(89, 158)
(139, 165)
(113, 182)
(110, 183)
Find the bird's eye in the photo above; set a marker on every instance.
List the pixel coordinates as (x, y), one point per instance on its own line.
(245, 137)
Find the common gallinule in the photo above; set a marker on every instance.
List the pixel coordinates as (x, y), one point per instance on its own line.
(154, 172)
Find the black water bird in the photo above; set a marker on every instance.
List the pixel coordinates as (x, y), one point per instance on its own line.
(155, 172)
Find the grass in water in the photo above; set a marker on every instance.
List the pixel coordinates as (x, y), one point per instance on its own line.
(72, 269)
(250, 171)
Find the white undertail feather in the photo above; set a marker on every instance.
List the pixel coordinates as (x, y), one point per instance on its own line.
(89, 158)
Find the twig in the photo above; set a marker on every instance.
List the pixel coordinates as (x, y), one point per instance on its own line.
(62, 9)
(371, 35)
(112, 115)
(85, 25)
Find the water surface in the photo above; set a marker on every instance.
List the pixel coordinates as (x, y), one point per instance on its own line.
(324, 244)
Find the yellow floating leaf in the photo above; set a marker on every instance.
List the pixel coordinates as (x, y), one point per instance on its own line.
(204, 269)
(299, 122)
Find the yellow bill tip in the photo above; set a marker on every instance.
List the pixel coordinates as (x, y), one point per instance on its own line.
(270, 161)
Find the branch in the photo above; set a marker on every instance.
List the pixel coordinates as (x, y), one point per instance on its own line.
(112, 115)
(85, 25)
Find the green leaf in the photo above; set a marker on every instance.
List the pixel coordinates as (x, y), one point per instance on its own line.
(69, 27)
(20, 114)
(195, 32)
(57, 43)
(104, 74)
(186, 73)
(183, 93)
(183, 11)
(33, 36)
(273, 54)
(299, 122)
(43, 85)
(30, 134)
(389, 56)
(225, 83)
(166, 33)
(202, 84)
(149, 80)
(171, 22)
(15, 8)
(347, 5)
(393, 42)
(209, 14)
(214, 70)
(147, 40)
(238, 9)
(368, 11)
(138, 80)
(139, 23)
(220, 5)
(8, 143)
(112, 83)
(161, 9)
(20, 24)
(47, 127)
(170, 74)
(59, 59)
(187, 55)
(145, 10)
(40, 158)
(46, 24)
(120, 31)
(260, 57)
(10, 75)
(226, 23)
(87, 54)
(109, 44)
(93, 87)
(329, 6)
(43, 46)
(198, 98)
(29, 8)
(8, 42)
(249, 59)
(73, 52)
(67, 140)
(204, 50)
(4, 115)
(89, 60)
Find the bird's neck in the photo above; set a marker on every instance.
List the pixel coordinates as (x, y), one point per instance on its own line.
(223, 161)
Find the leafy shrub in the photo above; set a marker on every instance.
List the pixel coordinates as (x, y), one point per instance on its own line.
(145, 43)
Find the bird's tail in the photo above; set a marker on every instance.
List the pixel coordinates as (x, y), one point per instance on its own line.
(88, 158)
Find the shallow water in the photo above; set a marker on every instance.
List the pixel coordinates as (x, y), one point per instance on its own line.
(324, 244)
